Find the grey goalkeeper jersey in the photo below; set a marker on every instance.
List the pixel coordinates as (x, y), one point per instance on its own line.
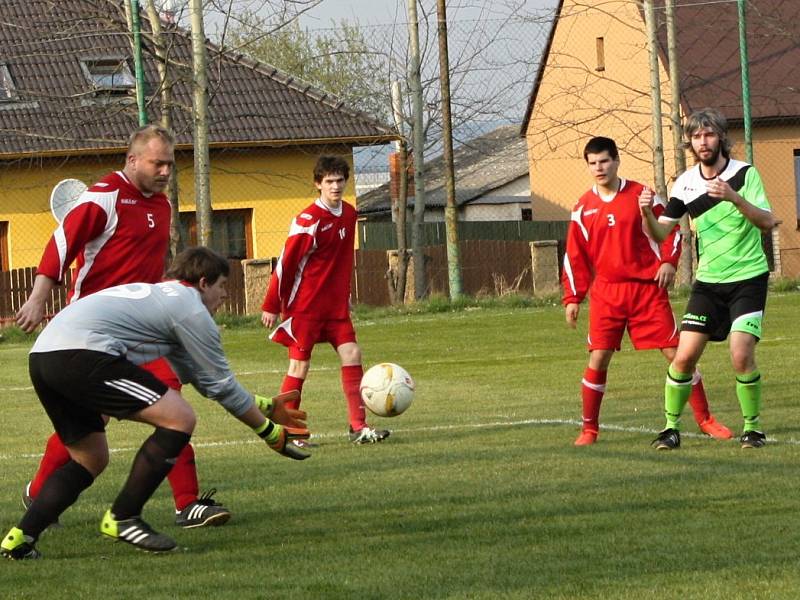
(143, 322)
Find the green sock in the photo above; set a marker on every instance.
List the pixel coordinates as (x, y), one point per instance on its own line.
(748, 390)
(676, 394)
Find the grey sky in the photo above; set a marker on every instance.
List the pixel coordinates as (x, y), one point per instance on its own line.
(326, 13)
(389, 11)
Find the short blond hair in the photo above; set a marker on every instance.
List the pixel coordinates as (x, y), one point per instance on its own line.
(146, 133)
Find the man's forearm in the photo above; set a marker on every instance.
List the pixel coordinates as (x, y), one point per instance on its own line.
(763, 219)
(658, 231)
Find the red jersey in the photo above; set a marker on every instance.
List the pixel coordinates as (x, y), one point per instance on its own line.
(117, 234)
(314, 270)
(607, 239)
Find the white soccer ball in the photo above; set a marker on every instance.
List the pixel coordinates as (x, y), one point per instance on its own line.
(387, 389)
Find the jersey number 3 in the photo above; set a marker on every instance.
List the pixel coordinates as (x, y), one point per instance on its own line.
(611, 220)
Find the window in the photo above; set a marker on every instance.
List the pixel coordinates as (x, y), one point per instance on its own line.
(110, 74)
(230, 231)
(601, 54)
(7, 89)
(527, 214)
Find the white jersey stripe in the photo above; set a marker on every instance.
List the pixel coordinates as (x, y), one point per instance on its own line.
(61, 246)
(298, 278)
(108, 202)
(570, 275)
(575, 216)
(296, 229)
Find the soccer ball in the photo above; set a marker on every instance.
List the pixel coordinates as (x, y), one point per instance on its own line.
(387, 389)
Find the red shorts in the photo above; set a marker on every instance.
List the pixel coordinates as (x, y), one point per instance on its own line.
(163, 372)
(641, 308)
(300, 334)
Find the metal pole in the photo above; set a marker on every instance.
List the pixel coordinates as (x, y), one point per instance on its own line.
(655, 93)
(202, 185)
(748, 131)
(685, 266)
(137, 61)
(450, 211)
(420, 283)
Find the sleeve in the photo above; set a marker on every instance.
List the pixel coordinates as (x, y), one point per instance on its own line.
(576, 277)
(82, 224)
(200, 361)
(300, 242)
(671, 246)
(675, 209)
(753, 190)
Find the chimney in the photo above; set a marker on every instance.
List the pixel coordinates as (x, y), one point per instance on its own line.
(395, 173)
(167, 13)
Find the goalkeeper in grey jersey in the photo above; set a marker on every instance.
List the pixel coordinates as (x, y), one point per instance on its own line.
(84, 365)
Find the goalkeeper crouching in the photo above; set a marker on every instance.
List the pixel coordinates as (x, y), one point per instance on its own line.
(85, 365)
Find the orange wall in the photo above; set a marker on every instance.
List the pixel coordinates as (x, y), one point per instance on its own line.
(575, 102)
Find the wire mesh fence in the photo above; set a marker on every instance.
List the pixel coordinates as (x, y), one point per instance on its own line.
(548, 81)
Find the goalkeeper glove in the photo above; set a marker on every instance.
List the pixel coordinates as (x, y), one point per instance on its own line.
(280, 439)
(275, 409)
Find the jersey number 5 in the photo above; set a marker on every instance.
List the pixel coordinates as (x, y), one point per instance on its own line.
(611, 220)
(151, 222)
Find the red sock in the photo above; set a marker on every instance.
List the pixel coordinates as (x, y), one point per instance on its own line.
(292, 383)
(593, 387)
(55, 456)
(698, 400)
(351, 381)
(183, 478)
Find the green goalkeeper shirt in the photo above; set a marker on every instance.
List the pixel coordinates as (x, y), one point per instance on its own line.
(729, 246)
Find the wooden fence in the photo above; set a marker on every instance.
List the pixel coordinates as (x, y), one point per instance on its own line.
(489, 267)
(16, 286)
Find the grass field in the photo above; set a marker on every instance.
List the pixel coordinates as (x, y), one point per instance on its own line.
(479, 493)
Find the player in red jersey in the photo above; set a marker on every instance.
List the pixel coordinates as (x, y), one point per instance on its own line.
(118, 233)
(610, 255)
(310, 291)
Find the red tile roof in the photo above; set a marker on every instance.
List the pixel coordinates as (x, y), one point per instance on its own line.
(708, 57)
(56, 110)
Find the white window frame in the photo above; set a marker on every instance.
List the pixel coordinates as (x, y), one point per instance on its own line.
(109, 74)
(8, 91)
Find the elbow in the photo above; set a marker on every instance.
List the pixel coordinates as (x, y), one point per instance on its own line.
(768, 224)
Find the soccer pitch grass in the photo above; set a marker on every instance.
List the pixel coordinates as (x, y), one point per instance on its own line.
(479, 493)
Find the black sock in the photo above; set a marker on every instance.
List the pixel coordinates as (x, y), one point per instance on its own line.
(58, 493)
(152, 463)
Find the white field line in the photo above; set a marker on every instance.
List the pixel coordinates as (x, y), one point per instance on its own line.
(466, 426)
(444, 361)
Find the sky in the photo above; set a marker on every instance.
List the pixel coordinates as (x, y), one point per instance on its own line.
(500, 81)
(388, 11)
(327, 12)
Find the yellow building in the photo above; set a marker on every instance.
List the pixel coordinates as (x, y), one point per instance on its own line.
(595, 79)
(67, 106)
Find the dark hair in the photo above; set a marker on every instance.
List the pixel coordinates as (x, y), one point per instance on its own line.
(145, 133)
(596, 145)
(714, 120)
(330, 165)
(197, 262)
